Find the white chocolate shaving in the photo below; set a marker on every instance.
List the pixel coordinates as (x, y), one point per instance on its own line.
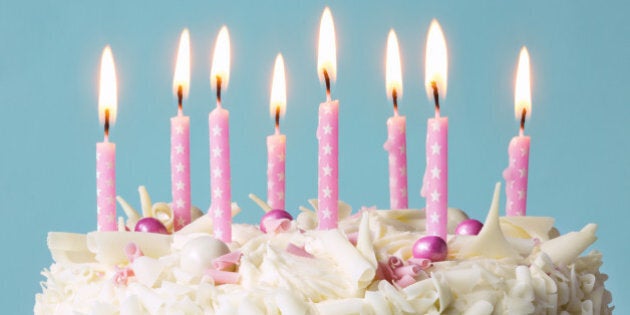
(364, 240)
(69, 248)
(262, 204)
(163, 212)
(109, 246)
(564, 249)
(490, 242)
(527, 226)
(132, 214)
(145, 201)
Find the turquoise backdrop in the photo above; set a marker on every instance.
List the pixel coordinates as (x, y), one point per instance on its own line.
(49, 57)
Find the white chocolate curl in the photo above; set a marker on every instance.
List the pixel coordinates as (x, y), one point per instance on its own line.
(564, 249)
(490, 242)
(109, 246)
(69, 248)
(359, 270)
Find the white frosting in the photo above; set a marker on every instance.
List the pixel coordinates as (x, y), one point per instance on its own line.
(340, 278)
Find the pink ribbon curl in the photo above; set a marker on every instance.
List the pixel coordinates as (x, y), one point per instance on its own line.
(401, 273)
(223, 268)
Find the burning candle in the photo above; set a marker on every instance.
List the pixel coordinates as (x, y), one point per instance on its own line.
(396, 144)
(276, 143)
(328, 128)
(180, 138)
(106, 151)
(220, 207)
(435, 182)
(517, 172)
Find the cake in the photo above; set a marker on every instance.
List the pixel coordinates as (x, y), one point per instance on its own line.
(515, 265)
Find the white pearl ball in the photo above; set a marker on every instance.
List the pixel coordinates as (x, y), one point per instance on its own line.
(198, 254)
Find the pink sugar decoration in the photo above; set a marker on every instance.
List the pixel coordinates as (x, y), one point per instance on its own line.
(273, 225)
(298, 251)
(227, 261)
(407, 270)
(516, 175)
(328, 171)
(106, 186)
(132, 251)
(223, 277)
(435, 182)
(220, 207)
(180, 170)
(423, 263)
(396, 146)
(405, 281)
(276, 154)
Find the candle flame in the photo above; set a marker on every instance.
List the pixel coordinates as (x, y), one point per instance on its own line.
(436, 62)
(327, 48)
(523, 93)
(393, 73)
(221, 59)
(278, 88)
(107, 92)
(182, 67)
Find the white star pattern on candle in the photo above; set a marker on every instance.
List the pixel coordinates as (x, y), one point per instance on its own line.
(218, 192)
(435, 196)
(403, 171)
(327, 192)
(181, 222)
(510, 204)
(270, 184)
(179, 167)
(435, 217)
(436, 172)
(218, 233)
(327, 170)
(327, 109)
(280, 195)
(217, 172)
(216, 152)
(98, 174)
(216, 131)
(179, 203)
(435, 149)
(327, 129)
(522, 151)
(179, 129)
(218, 213)
(435, 126)
(327, 214)
(522, 172)
(179, 185)
(521, 194)
(281, 176)
(179, 149)
(403, 192)
(327, 149)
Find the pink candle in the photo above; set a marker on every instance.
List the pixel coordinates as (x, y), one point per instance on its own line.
(276, 144)
(435, 182)
(328, 171)
(180, 139)
(396, 144)
(220, 173)
(218, 119)
(276, 153)
(327, 128)
(180, 170)
(106, 185)
(516, 174)
(106, 151)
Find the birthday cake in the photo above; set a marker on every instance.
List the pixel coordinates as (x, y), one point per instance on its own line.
(514, 265)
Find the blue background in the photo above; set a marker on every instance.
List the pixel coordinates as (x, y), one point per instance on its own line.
(49, 57)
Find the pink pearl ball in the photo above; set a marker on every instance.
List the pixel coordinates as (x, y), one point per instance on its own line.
(150, 225)
(430, 247)
(468, 227)
(274, 214)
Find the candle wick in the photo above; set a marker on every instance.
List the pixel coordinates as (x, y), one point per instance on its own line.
(523, 115)
(436, 98)
(395, 101)
(327, 79)
(218, 91)
(106, 125)
(277, 119)
(180, 97)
